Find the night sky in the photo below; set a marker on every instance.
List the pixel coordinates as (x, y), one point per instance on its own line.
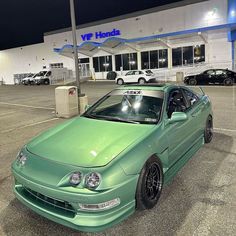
(23, 22)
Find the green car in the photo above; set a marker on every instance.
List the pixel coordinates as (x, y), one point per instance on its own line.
(93, 171)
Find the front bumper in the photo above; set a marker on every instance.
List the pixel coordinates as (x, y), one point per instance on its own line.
(69, 213)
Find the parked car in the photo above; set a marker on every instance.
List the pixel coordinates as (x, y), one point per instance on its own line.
(135, 76)
(212, 76)
(28, 79)
(42, 77)
(93, 171)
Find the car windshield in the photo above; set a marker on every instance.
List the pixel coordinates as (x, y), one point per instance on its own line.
(129, 106)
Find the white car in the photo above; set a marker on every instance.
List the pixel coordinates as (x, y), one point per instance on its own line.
(136, 76)
(28, 79)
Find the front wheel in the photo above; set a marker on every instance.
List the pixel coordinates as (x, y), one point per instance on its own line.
(208, 133)
(120, 81)
(150, 184)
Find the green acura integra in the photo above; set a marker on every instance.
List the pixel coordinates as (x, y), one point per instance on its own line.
(93, 171)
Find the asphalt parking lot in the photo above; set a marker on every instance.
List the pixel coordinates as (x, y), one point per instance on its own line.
(199, 201)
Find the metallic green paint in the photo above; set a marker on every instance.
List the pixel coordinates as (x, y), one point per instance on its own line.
(117, 151)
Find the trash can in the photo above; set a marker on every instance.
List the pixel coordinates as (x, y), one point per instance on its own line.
(66, 101)
(179, 77)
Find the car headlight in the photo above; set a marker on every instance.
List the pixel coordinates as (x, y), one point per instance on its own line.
(92, 180)
(75, 178)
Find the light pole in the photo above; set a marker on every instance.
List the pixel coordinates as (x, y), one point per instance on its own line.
(76, 60)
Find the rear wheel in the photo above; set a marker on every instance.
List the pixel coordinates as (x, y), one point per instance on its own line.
(208, 133)
(150, 184)
(228, 82)
(46, 82)
(120, 81)
(141, 81)
(192, 82)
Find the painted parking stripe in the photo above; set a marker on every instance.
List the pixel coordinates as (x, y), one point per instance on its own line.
(29, 125)
(28, 106)
(228, 130)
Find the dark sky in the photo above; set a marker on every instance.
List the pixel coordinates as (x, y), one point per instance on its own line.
(23, 22)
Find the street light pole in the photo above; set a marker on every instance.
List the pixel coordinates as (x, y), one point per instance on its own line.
(76, 60)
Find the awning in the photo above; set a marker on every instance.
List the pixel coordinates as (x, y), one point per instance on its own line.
(114, 45)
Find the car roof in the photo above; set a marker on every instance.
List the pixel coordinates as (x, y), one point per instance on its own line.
(158, 87)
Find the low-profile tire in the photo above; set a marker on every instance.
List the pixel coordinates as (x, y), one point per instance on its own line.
(150, 184)
(228, 82)
(120, 81)
(141, 81)
(208, 133)
(192, 81)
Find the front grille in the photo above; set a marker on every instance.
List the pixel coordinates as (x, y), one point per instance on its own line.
(49, 203)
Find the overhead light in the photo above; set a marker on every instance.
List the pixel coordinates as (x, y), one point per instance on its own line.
(233, 13)
(211, 14)
(99, 47)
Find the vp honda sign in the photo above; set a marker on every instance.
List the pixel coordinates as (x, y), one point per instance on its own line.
(100, 35)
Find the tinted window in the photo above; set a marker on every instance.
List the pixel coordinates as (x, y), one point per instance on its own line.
(163, 58)
(176, 102)
(191, 97)
(210, 72)
(118, 62)
(199, 53)
(153, 59)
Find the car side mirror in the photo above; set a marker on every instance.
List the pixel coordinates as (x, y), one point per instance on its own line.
(177, 117)
(87, 107)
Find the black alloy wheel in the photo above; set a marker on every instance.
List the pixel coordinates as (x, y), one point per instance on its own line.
(208, 134)
(150, 184)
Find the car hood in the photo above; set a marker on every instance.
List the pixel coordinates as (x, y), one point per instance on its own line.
(87, 142)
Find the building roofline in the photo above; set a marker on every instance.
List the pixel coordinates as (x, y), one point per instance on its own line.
(129, 15)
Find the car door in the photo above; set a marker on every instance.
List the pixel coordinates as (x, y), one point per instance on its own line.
(220, 76)
(135, 76)
(128, 77)
(179, 134)
(210, 77)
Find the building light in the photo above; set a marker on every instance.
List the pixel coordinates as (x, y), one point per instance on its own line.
(132, 62)
(211, 15)
(233, 13)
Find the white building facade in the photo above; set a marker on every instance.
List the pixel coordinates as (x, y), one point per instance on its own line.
(174, 38)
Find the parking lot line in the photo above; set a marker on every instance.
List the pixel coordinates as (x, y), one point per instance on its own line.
(228, 130)
(28, 106)
(29, 125)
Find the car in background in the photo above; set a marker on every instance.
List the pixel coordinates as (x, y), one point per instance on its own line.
(136, 76)
(212, 76)
(28, 79)
(43, 77)
(145, 135)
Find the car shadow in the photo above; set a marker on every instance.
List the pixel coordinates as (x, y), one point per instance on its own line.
(188, 188)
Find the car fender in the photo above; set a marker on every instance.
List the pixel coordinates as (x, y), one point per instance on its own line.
(154, 144)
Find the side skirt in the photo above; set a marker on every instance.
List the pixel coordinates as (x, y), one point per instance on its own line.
(170, 173)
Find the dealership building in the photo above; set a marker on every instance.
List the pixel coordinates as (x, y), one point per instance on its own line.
(188, 37)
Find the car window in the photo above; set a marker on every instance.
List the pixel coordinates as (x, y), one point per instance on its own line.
(141, 72)
(176, 102)
(210, 72)
(220, 72)
(130, 73)
(191, 97)
(136, 73)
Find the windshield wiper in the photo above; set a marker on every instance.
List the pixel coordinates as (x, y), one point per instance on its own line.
(115, 118)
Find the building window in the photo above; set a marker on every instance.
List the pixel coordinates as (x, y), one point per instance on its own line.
(83, 60)
(145, 60)
(154, 59)
(188, 55)
(177, 57)
(127, 61)
(102, 64)
(199, 53)
(163, 58)
(56, 65)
